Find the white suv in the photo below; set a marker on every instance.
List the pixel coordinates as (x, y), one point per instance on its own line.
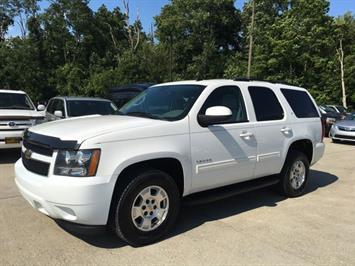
(170, 143)
(17, 113)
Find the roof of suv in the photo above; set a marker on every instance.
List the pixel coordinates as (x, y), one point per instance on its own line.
(12, 91)
(209, 82)
(79, 98)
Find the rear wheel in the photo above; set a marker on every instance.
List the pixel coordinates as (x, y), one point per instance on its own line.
(147, 208)
(294, 175)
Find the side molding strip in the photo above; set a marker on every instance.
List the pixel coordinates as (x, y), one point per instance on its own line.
(201, 168)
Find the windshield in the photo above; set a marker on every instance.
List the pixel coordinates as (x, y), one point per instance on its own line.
(326, 109)
(350, 117)
(171, 102)
(341, 109)
(90, 107)
(332, 109)
(122, 97)
(15, 101)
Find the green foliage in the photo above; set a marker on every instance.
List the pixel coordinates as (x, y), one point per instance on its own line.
(197, 31)
(69, 49)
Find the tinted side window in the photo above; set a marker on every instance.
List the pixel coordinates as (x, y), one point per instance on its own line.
(266, 105)
(228, 96)
(300, 103)
(59, 106)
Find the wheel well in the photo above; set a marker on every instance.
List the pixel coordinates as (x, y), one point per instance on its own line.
(305, 146)
(170, 166)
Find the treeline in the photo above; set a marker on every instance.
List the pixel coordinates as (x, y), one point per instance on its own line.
(69, 49)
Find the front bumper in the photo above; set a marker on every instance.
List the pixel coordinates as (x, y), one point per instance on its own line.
(337, 134)
(78, 200)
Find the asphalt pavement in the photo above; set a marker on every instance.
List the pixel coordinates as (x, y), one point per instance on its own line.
(259, 227)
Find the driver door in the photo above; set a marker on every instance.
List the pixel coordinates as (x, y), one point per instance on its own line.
(223, 154)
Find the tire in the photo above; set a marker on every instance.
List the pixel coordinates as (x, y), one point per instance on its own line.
(135, 232)
(288, 185)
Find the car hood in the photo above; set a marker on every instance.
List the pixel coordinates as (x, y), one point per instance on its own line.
(86, 127)
(19, 114)
(346, 123)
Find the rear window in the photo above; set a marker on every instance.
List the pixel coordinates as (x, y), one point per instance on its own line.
(301, 103)
(83, 107)
(266, 104)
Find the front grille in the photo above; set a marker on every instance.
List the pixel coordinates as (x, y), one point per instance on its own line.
(35, 166)
(344, 137)
(38, 147)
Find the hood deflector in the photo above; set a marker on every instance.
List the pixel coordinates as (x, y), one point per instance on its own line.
(32, 140)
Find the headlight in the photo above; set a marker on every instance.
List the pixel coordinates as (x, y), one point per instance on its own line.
(81, 163)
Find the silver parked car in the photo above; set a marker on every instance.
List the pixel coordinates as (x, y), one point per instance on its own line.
(343, 130)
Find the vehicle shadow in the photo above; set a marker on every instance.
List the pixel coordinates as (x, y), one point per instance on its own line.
(344, 142)
(194, 216)
(9, 155)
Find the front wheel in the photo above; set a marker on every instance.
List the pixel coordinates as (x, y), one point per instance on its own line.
(147, 208)
(294, 175)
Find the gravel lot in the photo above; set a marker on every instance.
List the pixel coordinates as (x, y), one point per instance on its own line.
(255, 228)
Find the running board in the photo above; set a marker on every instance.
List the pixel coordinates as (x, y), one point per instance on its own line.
(229, 191)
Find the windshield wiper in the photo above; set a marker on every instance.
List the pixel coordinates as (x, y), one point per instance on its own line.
(143, 114)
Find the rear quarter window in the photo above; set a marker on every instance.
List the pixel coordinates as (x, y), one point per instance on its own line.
(300, 102)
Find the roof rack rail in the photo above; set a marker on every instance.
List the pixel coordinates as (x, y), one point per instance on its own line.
(263, 80)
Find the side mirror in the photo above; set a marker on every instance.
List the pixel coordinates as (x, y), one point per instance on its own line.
(41, 107)
(58, 114)
(215, 115)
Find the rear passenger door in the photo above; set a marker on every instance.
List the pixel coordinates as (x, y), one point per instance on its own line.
(272, 131)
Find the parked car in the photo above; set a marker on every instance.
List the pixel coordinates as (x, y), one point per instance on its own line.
(123, 94)
(65, 107)
(17, 113)
(343, 130)
(339, 109)
(329, 117)
(172, 142)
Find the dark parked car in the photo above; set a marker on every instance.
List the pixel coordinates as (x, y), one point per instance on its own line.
(123, 94)
(338, 109)
(329, 117)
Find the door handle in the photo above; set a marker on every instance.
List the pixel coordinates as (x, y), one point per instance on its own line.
(286, 129)
(246, 134)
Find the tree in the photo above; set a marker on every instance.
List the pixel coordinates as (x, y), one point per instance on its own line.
(195, 29)
(7, 14)
(250, 54)
(345, 35)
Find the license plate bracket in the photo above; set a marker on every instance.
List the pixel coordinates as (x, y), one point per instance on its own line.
(13, 140)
